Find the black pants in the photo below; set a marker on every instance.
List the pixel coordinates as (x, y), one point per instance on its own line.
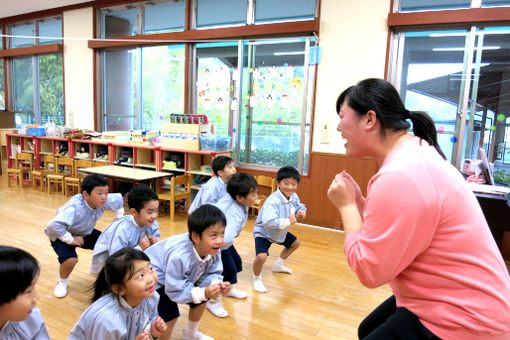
(389, 322)
(232, 264)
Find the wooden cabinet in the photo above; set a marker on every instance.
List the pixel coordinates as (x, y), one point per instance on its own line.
(137, 156)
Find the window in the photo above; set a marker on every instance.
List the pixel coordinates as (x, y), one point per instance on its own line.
(469, 115)
(52, 29)
(143, 86)
(143, 18)
(258, 92)
(284, 10)
(214, 13)
(432, 5)
(37, 80)
(262, 101)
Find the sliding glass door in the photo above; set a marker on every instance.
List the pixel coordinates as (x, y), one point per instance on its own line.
(462, 79)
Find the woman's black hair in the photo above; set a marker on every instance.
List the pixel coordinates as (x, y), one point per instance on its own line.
(116, 267)
(18, 269)
(203, 217)
(381, 96)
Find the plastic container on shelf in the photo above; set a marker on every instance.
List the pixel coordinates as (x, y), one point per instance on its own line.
(36, 131)
(215, 142)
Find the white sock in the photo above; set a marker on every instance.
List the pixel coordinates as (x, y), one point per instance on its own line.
(192, 327)
(257, 277)
(64, 281)
(279, 261)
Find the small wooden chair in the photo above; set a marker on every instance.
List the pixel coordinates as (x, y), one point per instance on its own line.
(39, 176)
(268, 186)
(74, 182)
(176, 194)
(63, 167)
(23, 165)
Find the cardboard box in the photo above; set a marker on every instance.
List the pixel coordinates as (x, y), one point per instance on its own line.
(3, 138)
(183, 136)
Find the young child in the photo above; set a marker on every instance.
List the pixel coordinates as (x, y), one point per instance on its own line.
(242, 193)
(216, 187)
(20, 319)
(189, 269)
(73, 225)
(124, 302)
(139, 229)
(278, 213)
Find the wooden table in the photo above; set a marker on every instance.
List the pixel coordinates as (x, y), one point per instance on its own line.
(493, 201)
(117, 172)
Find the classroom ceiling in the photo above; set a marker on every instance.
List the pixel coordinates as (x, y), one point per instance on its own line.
(9, 8)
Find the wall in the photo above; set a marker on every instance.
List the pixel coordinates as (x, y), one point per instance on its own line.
(353, 38)
(79, 68)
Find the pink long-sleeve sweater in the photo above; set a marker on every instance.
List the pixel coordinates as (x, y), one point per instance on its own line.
(425, 235)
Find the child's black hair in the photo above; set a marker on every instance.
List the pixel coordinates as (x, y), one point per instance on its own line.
(241, 184)
(17, 272)
(139, 196)
(287, 172)
(205, 216)
(219, 163)
(92, 181)
(116, 267)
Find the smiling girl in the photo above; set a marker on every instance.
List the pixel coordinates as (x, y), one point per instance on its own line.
(125, 301)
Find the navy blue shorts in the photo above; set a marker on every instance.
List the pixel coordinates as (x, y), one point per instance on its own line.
(66, 251)
(262, 244)
(232, 264)
(167, 309)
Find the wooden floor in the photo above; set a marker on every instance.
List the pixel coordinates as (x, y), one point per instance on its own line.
(323, 299)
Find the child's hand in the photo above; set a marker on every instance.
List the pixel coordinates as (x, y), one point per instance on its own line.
(144, 243)
(144, 335)
(301, 214)
(292, 218)
(212, 291)
(153, 239)
(158, 327)
(77, 241)
(224, 287)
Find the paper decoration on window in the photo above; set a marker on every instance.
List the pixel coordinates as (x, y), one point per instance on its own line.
(440, 129)
(289, 72)
(453, 139)
(279, 120)
(284, 101)
(269, 102)
(256, 73)
(219, 104)
(259, 123)
(207, 104)
(501, 117)
(235, 74)
(273, 71)
(253, 100)
(233, 104)
(493, 128)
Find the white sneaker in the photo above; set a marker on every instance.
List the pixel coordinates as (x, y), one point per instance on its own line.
(197, 336)
(60, 289)
(258, 285)
(281, 269)
(215, 307)
(237, 294)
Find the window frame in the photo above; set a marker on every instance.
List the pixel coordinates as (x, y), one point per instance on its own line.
(444, 19)
(191, 36)
(8, 53)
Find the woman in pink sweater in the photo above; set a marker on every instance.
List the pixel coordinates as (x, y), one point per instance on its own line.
(420, 229)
